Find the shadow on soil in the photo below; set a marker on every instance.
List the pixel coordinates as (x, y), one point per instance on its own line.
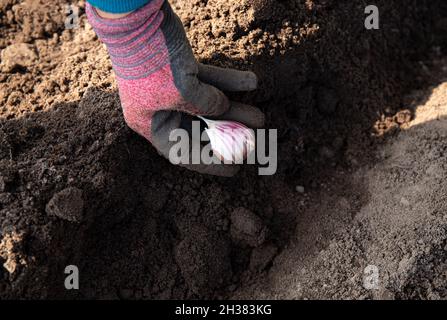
(151, 230)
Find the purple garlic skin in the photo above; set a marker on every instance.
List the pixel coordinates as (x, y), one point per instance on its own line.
(231, 141)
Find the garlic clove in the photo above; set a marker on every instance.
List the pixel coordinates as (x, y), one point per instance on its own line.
(231, 141)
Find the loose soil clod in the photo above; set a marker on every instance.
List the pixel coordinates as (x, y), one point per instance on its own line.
(247, 228)
(67, 204)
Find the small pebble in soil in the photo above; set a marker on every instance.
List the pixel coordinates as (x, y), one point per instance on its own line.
(67, 204)
(299, 189)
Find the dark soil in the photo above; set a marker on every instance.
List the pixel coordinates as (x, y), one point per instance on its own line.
(77, 187)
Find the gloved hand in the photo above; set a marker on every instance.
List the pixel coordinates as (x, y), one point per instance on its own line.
(161, 85)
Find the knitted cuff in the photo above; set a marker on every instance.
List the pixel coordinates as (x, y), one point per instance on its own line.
(135, 43)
